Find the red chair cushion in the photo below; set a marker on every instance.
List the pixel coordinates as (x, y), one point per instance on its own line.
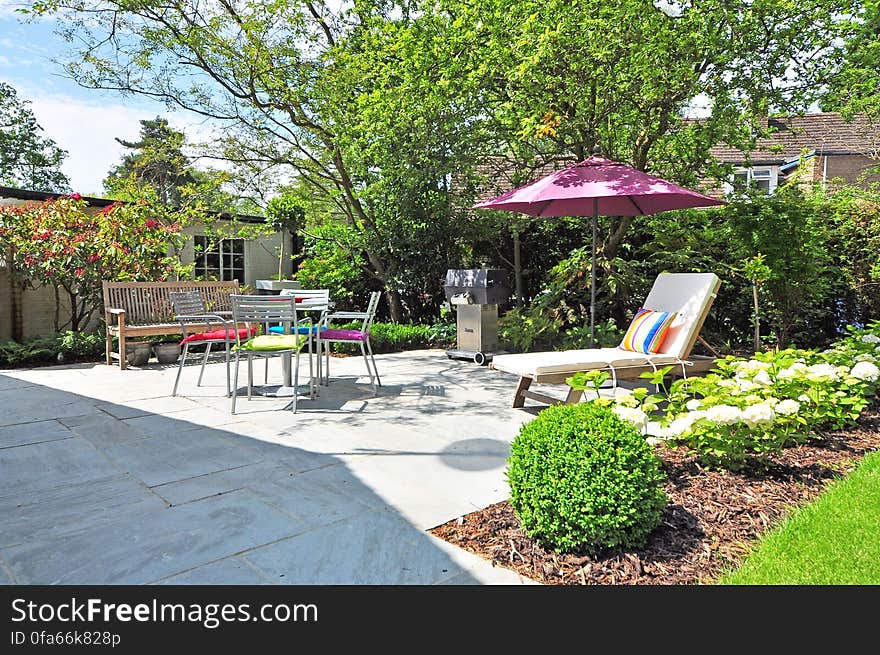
(219, 335)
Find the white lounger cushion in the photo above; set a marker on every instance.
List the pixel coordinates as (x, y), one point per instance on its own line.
(689, 295)
(534, 364)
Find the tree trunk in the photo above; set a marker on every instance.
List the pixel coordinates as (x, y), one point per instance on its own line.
(395, 306)
(56, 319)
(757, 318)
(74, 311)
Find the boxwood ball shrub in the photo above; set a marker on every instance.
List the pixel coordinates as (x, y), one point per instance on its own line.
(582, 479)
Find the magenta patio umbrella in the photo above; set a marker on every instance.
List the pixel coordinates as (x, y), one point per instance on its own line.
(598, 187)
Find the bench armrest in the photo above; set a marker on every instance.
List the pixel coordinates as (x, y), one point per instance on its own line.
(115, 310)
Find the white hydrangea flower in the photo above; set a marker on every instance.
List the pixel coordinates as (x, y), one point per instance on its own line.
(723, 414)
(747, 385)
(796, 370)
(682, 424)
(804, 398)
(865, 357)
(772, 401)
(870, 338)
(821, 373)
(727, 384)
(625, 398)
(757, 414)
(653, 441)
(632, 415)
(866, 371)
(787, 407)
(762, 378)
(693, 404)
(750, 367)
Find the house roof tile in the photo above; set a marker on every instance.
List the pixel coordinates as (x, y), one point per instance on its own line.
(826, 133)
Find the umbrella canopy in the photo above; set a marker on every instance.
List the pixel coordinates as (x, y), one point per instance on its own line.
(598, 187)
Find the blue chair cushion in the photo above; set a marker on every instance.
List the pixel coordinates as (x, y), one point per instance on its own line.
(302, 329)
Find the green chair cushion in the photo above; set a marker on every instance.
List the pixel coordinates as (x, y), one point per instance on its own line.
(270, 342)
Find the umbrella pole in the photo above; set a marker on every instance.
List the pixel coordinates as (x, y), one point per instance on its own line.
(593, 277)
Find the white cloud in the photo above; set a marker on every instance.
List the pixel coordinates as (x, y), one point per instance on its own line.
(87, 130)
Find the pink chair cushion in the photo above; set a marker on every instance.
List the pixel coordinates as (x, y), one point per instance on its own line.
(343, 335)
(219, 335)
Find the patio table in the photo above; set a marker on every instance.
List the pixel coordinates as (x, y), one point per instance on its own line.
(286, 389)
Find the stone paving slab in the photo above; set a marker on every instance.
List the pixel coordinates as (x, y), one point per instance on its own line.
(27, 469)
(374, 548)
(152, 546)
(5, 574)
(103, 430)
(73, 508)
(213, 484)
(25, 434)
(174, 457)
(231, 570)
(32, 404)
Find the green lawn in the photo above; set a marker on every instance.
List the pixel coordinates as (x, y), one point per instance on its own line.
(833, 541)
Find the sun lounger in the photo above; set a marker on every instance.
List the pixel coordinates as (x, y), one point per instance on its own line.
(689, 295)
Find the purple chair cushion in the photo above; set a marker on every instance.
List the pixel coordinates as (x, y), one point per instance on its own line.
(343, 335)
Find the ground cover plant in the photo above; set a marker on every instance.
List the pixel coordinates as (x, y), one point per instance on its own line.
(51, 349)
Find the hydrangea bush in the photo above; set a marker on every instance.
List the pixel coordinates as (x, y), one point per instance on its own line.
(752, 408)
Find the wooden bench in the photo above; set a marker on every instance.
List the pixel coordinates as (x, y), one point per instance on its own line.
(141, 309)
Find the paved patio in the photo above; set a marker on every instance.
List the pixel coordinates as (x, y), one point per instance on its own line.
(107, 479)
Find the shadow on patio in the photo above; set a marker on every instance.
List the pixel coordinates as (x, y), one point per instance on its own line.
(96, 492)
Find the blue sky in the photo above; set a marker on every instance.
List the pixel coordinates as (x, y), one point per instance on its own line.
(82, 121)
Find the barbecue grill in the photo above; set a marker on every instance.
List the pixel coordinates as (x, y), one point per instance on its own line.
(476, 294)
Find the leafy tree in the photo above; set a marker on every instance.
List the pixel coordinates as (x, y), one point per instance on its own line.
(350, 100)
(155, 160)
(27, 159)
(857, 87)
(285, 213)
(62, 245)
(562, 77)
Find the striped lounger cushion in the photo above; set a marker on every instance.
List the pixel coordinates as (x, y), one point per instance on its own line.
(647, 331)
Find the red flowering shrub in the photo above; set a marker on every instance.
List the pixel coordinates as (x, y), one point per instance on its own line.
(59, 244)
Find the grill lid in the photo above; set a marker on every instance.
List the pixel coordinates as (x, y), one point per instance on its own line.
(483, 286)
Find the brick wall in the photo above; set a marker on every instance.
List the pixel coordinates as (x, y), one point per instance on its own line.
(37, 307)
(848, 167)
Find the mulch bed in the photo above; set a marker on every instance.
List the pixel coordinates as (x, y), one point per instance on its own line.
(710, 522)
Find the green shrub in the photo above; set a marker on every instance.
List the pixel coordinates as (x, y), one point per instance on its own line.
(52, 348)
(581, 479)
(536, 329)
(395, 337)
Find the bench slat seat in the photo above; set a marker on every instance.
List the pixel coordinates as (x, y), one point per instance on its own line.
(133, 309)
